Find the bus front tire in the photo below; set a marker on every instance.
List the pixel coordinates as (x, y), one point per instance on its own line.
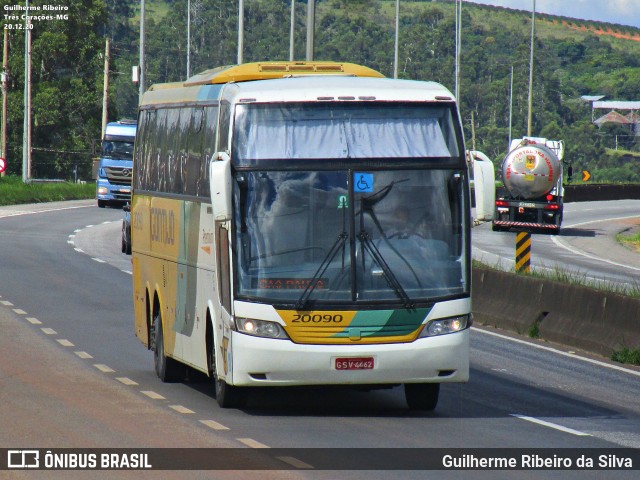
(422, 396)
(229, 396)
(167, 369)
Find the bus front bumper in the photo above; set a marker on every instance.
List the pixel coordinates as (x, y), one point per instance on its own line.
(259, 361)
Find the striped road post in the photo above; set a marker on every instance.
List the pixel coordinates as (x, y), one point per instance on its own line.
(523, 252)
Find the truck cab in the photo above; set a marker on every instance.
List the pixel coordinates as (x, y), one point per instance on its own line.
(113, 185)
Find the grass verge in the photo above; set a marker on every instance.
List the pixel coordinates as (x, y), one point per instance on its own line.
(571, 277)
(627, 355)
(632, 241)
(13, 191)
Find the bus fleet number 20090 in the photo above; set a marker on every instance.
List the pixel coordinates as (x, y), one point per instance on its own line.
(317, 318)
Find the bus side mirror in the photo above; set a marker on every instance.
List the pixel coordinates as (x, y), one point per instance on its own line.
(220, 183)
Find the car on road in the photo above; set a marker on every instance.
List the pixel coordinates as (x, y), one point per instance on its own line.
(126, 230)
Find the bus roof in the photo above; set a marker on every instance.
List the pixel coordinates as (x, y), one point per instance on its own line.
(294, 81)
(340, 89)
(269, 70)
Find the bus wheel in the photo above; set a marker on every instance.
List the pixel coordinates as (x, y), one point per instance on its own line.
(227, 395)
(167, 369)
(422, 396)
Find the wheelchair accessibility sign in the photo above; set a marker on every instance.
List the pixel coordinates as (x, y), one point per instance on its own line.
(362, 182)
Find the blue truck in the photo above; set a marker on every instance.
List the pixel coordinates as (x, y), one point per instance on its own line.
(113, 185)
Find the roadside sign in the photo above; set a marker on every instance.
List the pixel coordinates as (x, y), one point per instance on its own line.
(585, 175)
(3, 165)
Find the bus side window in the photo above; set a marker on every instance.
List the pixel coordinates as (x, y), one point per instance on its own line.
(171, 181)
(208, 142)
(224, 127)
(194, 153)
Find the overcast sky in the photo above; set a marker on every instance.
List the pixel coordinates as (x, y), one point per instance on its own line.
(623, 12)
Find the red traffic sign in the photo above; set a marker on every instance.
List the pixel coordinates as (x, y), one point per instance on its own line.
(3, 165)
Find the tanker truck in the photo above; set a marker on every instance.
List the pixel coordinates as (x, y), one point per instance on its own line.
(531, 199)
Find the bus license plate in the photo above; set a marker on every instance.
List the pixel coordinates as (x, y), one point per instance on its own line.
(361, 363)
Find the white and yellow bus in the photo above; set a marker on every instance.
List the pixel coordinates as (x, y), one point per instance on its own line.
(302, 224)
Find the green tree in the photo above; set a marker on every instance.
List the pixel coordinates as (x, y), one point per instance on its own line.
(66, 89)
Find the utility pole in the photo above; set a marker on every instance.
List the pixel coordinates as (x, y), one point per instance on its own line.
(510, 108)
(458, 41)
(292, 30)
(188, 38)
(311, 21)
(105, 89)
(26, 133)
(141, 60)
(530, 116)
(395, 50)
(5, 81)
(240, 30)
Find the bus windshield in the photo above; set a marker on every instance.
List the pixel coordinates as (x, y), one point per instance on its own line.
(343, 130)
(344, 236)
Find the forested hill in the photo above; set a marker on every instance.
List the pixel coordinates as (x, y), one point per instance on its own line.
(572, 58)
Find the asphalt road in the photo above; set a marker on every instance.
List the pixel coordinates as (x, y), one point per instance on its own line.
(585, 247)
(72, 374)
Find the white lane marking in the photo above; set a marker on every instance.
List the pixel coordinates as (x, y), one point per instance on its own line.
(33, 212)
(181, 409)
(49, 331)
(99, 260)
(126, 381)
(83, 354)
(152, 395)
(560, 352)
(214, 425)
(250, 442)
(6, 303)
(65, 343)
(104, 368)
(552, 425)
(576, 251)
(19, 311)
(34, 321)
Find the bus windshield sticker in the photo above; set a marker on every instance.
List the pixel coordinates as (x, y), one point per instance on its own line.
(285, 283)
(362, 182)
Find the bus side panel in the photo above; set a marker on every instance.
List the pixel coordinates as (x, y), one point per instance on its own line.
(195, 283)
(164, 221)
(140, 235)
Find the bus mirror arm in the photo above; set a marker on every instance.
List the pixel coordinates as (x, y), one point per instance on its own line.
(220, 184)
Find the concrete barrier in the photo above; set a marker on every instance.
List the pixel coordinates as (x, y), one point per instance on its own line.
(579, 317)
(599, 192)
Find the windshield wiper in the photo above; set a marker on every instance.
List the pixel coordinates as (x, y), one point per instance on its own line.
(389, 276)
(311, 286)
(366, 205)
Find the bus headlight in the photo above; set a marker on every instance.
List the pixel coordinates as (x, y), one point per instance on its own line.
(443, 326)
(260, 328)
(103, 190)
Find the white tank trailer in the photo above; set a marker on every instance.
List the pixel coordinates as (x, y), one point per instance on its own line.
(532, 196)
